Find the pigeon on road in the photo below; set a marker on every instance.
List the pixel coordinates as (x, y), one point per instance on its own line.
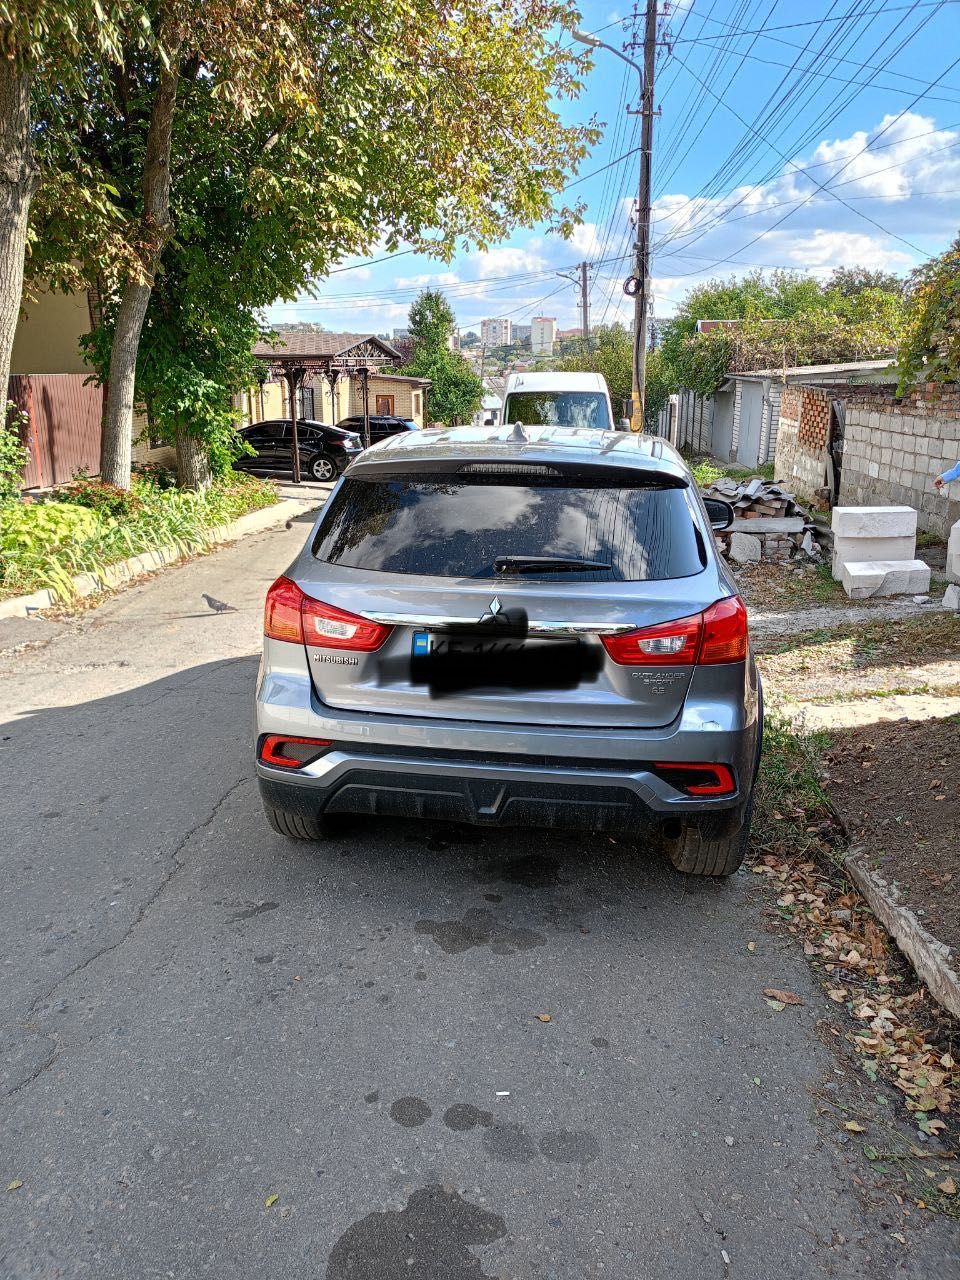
(218, 606)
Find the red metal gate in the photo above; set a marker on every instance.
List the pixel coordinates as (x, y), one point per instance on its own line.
(63, 431)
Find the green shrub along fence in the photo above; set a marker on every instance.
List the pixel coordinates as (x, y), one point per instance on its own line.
(88, 525)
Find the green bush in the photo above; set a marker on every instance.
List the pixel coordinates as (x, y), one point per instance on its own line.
(98, 495)
(14, 456)
(43, 544)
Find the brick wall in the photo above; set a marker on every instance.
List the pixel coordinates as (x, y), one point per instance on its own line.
(803, 434)
(895, 447)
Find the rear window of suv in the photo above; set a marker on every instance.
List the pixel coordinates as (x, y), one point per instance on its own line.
(451, 529)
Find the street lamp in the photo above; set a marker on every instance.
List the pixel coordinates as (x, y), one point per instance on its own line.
(638, 286)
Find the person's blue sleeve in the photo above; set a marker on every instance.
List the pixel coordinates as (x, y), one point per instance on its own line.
(951, 475)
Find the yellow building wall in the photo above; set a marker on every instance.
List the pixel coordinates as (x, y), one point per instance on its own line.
(49, 332)
(408, 400)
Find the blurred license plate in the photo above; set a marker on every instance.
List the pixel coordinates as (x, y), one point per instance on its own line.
(452, 663)
(426, 643)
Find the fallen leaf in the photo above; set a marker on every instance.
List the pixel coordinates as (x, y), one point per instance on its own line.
(544, 1017)
(897, 1236)
(15, 1185)
(785, 997)
(776, 1004)
(871, 1152)
(838, 994)
(271, 1200)
(948, 1187)
(852, 1127)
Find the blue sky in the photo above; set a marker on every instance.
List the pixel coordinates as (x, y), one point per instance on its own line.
(786, 139)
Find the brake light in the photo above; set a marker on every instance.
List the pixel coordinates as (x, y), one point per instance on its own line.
(717, 635)
(669, 644)
(290, 614)
(724, 632)
(285, 752)
(698, 779)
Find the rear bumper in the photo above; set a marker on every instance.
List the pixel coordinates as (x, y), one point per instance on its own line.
(483, 794)
(500, 774)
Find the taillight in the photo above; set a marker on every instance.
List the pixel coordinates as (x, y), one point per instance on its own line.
(668, 644)
(698, 779)
(724, 632)
(717, 635)
(290, 614)
(286, 752)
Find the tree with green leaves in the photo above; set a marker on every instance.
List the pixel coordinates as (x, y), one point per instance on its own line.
(429, 122)
(455, 391)
(51, 42)
(930, 348)
(783, 319)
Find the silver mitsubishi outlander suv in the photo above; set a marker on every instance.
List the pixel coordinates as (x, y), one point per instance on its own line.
(514, 626)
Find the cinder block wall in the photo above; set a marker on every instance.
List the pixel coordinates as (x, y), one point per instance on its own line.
(895, 447)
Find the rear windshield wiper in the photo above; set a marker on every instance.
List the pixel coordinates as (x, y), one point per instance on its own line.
(544, 564)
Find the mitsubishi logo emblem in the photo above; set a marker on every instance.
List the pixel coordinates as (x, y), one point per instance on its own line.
(493, 610)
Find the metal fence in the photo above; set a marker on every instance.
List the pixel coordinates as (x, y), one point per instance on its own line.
(63, 428)
(686, 420)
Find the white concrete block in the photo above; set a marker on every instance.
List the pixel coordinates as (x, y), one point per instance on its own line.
(865, 578)
(745, 548)
(846, 549)
(874, 522)
(951, 597)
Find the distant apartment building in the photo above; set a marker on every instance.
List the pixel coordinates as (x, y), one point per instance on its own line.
(496, 333)
(543, 333)
(401, 333)
(521, 333)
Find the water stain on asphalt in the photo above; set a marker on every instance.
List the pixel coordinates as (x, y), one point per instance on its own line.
(267, 958)
(599, 1042)
(479, 928)
(249, 912)
(410, 1112)
(462, 1116)
(372, 1097)
(569, 1146)
(533, 871)
(510, 1143)
(430, 1239)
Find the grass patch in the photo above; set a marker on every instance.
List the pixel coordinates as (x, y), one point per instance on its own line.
(707, 470)
(852, 646)
(44, 544)
(927, 539)
(791, 806)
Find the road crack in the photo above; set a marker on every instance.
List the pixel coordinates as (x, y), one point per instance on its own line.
(176, 864)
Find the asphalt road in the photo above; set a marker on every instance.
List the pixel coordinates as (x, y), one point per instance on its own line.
(199, 1015)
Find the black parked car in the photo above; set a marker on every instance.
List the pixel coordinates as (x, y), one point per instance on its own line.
(324, 451)
(381, 425)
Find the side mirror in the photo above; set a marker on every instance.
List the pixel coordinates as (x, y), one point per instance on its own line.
(720, 513)
(623, 424)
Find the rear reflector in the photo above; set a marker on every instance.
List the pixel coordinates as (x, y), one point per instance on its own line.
(717, 635)
(285, 752)
(698, 779)
(290, 614)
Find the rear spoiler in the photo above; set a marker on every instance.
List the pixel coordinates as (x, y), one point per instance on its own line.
(544, 470)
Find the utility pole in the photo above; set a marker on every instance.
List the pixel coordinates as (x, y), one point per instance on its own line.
(584, 302)
(641, 263)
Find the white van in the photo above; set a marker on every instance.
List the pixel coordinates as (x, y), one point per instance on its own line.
(560, 399)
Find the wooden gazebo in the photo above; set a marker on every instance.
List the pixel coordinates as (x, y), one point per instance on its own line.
(332, 356)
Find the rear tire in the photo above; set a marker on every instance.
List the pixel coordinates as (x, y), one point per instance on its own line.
(294, 826)
(323, 469)
(715, 845)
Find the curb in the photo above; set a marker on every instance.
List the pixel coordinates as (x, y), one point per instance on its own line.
(115, 575)
(932, 960)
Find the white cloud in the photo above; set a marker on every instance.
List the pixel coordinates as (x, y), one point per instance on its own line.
(585, 239)
(829, 249)
(436, 280)
(509, 260)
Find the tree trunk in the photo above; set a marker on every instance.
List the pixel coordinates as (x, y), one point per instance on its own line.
(116, 441)
(18, 178)
(193, 461)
